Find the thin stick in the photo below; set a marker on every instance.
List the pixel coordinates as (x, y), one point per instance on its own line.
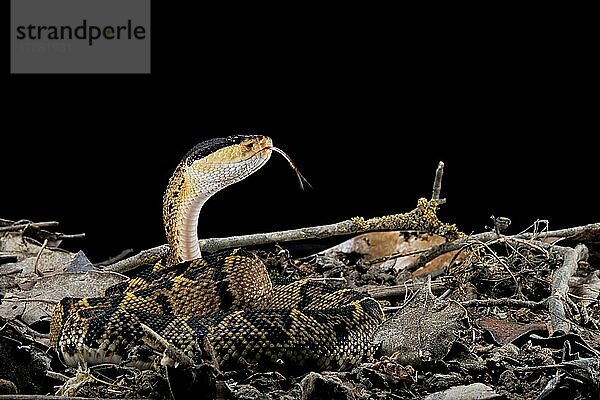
(13, 271)
(447, 247)
(568, 233)
(45, 397)
(437, 184)
(71, 236)
(24, 329)
(560, 287)
(401, 290)
(390, 309)
(17, 227)
(534, 305)
(157, 342)
(580, 363)
(7, 258)
(538, 368)
(392, 256)
(574, 233)
(37, 258)
(338, 280)
(57, 375)
(116, 258)
(423, 218)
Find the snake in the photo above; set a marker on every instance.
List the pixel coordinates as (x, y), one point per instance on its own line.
(224, 301)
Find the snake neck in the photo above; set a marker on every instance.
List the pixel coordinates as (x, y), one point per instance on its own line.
(210, 167)
(188, 240)
(182, 204)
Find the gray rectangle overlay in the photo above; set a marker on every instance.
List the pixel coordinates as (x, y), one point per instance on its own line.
(80, 36)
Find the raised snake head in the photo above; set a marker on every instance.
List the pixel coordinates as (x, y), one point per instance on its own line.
(206, 169)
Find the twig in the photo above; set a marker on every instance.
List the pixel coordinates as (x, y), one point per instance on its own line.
(447, 247)
(7, 258)
(37, 258)
(338, 280)
(392, 256)
(534, 305)
(63, 236)
(28, 300)
(501, 262)
(157, 342)
(437, 184)
(390, 309)
(447, 293)
(560, 287)
(6, 222)
(538, 368)
(574, 233)
(402, 290)
(583, 363)
(116, 258)
(569, 233)
(57, 375)
(17, 227)
(422, 218)
(45, 397)
(24, 329)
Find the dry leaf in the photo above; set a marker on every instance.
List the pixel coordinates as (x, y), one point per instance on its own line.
(474, 391)
(392, 250)
(423, 329)
(504, 332)
(588, 289)
(38, 303)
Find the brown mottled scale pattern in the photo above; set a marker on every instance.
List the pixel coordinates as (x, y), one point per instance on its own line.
(305, 324)
(225, 297)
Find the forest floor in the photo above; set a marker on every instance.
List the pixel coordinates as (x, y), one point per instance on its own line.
(481, 316)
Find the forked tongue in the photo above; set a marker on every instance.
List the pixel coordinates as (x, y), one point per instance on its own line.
(302, 181)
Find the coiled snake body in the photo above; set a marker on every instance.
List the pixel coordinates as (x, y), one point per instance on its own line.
(225, 297)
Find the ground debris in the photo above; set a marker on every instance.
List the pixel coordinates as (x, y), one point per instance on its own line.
(423, 330)
(504, 331)
(23, 364)
(492, 316)
(317, 386)
(474, 391)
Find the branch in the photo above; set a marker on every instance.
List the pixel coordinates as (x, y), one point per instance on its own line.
(534, 305)
(574, 233)
(560, 287)
(422, 218)
(17, 227)
(401, 290)
(437, 184)
(45, 397)
(7, 258)
(172, 353)
(436, 251)
(116, 258)
(37, 259)
(71, 236)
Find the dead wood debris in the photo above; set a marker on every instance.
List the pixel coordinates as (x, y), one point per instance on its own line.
(487, 315)
(422, 218)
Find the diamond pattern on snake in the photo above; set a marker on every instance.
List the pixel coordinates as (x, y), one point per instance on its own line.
(224, 297)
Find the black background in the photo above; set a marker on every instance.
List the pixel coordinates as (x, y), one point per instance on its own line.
(366, 104)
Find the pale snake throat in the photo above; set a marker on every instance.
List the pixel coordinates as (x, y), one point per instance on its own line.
(226, 297)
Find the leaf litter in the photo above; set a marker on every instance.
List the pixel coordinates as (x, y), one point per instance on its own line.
(473, 322)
